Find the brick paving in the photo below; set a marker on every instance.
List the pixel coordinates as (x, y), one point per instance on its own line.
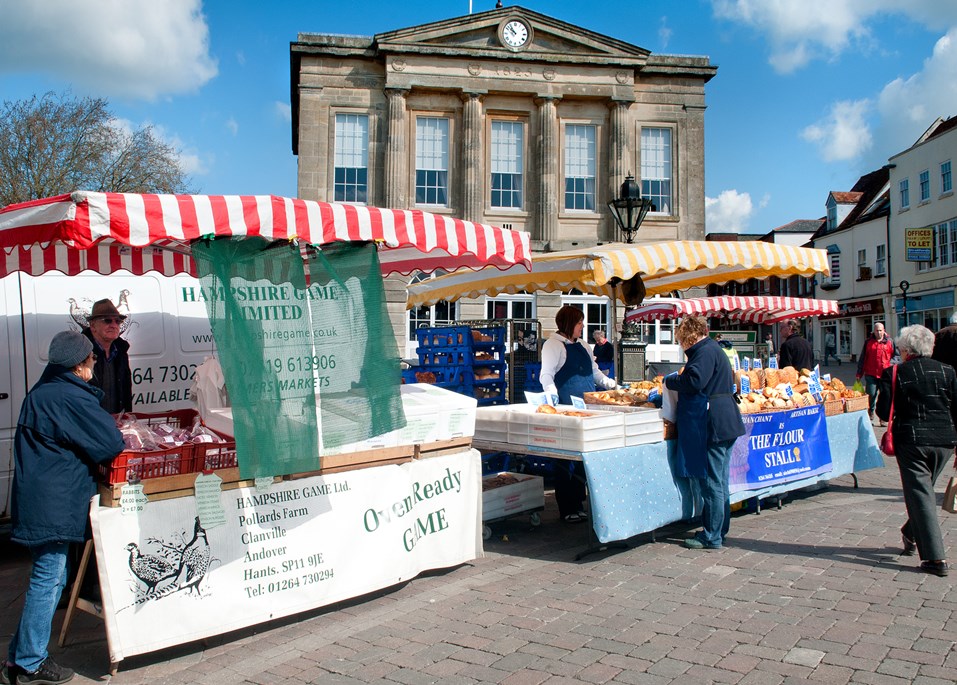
(813, 592)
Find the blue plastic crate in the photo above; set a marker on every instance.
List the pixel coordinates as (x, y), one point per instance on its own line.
(490, 393)
(444, 336)
(494, 336)
(444, 356)
(496, 368)
(531, 382)
(607, 368)
(408, 375)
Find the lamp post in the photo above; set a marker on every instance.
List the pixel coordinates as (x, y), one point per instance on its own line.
(904, 286)
(630, 208)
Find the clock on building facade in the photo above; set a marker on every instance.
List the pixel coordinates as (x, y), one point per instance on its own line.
(515, 33)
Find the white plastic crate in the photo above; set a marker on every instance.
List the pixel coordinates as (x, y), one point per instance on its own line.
(527, 494)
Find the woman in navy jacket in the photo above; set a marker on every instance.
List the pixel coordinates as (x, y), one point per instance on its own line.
(708, 423)
(62, 434)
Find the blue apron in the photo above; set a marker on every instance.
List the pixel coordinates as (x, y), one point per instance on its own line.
(692, 419)
(576, 376)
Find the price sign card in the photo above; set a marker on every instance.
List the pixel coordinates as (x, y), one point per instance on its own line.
(578, 402)
(756, 363)
(132, 499)
(772, 362)
(209, 504)
(745, 385)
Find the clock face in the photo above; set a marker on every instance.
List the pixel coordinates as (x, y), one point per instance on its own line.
(515, 34)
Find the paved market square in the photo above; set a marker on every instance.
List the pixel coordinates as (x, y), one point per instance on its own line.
(812, 592)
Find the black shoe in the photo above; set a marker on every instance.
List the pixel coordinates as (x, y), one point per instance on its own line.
(49, 673)
(909, 546)
(8, 674)
(938, 568)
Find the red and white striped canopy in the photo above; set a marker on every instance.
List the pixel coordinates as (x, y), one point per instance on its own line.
(751, 309)
(107, 232)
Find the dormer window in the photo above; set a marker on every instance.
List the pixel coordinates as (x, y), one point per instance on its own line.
(831, 214)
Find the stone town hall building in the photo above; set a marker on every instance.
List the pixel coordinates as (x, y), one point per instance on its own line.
(507, 117)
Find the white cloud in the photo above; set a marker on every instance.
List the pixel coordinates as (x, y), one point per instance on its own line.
(126, 48)
(664, 33)
(283, 111)
(801, 30)
(909, 105)
(727, 213)
(232, 126)
(844, 134)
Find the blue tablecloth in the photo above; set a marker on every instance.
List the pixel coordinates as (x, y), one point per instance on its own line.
(634, 490)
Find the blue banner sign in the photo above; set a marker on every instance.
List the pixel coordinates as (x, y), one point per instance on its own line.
(780, 446)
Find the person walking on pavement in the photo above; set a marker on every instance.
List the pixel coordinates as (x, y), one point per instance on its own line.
(878, 353)
(708, 422)
(945, 343)
(830, 347)
(62, 433)
(769, 341)
(795, 350)
(925, 416)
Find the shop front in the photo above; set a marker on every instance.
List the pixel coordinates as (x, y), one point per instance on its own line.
(850, 326)
(932, 310)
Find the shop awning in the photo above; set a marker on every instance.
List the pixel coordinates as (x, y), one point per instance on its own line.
(751, 309)
(107, 232)
(608, 270)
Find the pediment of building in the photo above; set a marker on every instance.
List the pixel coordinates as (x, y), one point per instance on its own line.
(479, 35)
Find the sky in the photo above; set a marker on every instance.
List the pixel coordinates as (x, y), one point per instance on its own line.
(809, 95)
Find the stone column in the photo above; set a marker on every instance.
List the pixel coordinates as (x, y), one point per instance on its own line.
(548, 192)
(618, 160)
(473, 198)
(395, 192)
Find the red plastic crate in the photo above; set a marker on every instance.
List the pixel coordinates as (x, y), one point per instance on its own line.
(158, 463)
(209, 456)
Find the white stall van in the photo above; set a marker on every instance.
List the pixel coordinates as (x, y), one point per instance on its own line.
(167, 328)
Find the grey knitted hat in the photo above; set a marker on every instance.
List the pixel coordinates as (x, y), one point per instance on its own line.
(69, 348)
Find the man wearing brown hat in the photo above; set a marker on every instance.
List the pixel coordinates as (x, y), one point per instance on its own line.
(111, 373)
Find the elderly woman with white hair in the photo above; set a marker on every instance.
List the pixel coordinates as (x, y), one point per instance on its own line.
(925, 415)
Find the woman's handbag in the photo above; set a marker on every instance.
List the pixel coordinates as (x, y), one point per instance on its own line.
(887, 440)
(950, 496)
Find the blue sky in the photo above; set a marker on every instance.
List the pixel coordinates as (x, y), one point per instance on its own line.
(809, 95)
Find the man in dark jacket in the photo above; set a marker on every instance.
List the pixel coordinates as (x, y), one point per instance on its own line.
(795, 350)
(62, 434)
(111, 374)
(708, 422)
(945, 344)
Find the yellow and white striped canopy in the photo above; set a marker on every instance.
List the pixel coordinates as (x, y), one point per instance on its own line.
(662, 266)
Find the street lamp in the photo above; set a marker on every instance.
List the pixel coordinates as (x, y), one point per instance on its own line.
(904, 286)
(630, 208)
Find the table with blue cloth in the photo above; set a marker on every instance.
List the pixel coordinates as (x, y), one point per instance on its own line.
(634, 490)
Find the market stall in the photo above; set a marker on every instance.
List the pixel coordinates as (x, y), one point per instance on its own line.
(338, 482)
(757, 309)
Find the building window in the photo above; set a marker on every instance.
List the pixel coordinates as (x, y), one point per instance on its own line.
(880, 268)
(946, 183)
(905, 193)
(862, 257)
(831, 214)
(580, 167)
(924, 185)
(835, 276)
(945, 246)
(440, 314)
(351, 158)
(508, 144)
(656, 169)
(432, 161)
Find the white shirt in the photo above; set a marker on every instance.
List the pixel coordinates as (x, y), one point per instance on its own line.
(553, 359)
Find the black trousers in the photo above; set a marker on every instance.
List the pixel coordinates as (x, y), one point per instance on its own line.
(920, 466)
(569, 487)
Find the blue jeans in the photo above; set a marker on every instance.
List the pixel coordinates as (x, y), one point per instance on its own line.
(716, 512)
(870, 387)
(28, 648)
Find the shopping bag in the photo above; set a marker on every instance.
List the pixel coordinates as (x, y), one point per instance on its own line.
(858, 386)
(950, 496)
(887, 443)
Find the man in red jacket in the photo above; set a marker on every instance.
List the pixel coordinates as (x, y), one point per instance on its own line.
(878, 353)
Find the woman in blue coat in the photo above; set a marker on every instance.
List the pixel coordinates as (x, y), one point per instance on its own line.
(62, 434)
(708, 422)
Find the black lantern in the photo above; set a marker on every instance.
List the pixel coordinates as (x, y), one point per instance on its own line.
(630, 208)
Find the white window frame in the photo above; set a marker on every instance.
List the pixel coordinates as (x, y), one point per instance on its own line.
(439, 314)
(924, 185)
(351, 154)
(507, 158)
(580, 146)
(946, 178)
(904, 186)
(880, 266)
(597, 310)
(657, 167)
(432, 152)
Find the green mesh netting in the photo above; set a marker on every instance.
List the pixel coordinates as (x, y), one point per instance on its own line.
(290, 344)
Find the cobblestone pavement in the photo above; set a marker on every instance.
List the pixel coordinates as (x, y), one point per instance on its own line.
(812, 592)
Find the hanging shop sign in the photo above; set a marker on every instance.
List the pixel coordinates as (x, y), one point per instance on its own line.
(919, 244)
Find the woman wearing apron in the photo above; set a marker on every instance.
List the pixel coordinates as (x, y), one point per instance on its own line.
(568, 369)
(708, 422)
